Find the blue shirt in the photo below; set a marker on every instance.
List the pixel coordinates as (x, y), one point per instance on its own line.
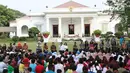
(33, 66)
(50, 71)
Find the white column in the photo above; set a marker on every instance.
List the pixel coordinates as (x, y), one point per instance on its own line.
(47, 24)
(59, 27)
(82, 26)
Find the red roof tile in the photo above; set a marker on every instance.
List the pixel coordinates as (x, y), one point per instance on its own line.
(70, 4)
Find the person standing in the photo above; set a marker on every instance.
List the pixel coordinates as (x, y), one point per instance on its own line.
(113, 43)
(75, 48)
(53, 47)
(108, 46)
(45, 48)
(86, 46)
(81, 46)
(65, 46)
(121, 40)
(62, 48)
(101, 45)
(25, 46)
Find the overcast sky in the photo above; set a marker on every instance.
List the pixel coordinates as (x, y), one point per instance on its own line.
(40, 5)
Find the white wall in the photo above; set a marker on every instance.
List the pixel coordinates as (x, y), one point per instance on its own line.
(29, 22)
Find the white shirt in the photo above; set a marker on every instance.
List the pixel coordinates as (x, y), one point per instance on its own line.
(79, 68)
(104, 70)
(62, 48)
(59, 66)
(2, 66)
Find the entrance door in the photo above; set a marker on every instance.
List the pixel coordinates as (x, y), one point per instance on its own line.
(55, 30)
(71, 28)
(87, 29)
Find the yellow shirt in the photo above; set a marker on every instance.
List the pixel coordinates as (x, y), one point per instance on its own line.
(21, 67)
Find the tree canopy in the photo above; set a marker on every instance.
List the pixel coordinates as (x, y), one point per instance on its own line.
(7, 14)
(120, 8)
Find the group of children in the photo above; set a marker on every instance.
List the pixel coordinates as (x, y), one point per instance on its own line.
(90, 57)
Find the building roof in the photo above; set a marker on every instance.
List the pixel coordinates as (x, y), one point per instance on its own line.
(71, 4)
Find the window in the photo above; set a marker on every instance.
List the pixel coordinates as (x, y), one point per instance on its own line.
(71, 29)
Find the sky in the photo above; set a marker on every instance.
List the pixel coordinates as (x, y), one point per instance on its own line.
(40, 5)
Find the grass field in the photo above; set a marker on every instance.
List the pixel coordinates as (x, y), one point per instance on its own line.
(33, 44)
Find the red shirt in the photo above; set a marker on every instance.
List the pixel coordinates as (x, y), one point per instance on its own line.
(39, 68)
(26, 62)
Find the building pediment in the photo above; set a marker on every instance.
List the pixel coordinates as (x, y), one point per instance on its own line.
(71, 4)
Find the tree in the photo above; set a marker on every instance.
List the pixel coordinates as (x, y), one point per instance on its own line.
(120, 8)
(33, 31)
(7, 14)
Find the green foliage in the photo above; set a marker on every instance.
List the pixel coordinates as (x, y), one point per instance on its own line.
(97, 32)
(128, 34)
(48, 33)
(64, 40)
(103, 35)
(33, 31)
(7, 14)
(122, 9)
(15, 39)
(78, 39)
(119, 34)
(22, 38)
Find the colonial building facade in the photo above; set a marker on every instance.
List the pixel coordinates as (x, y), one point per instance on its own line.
(69, 20)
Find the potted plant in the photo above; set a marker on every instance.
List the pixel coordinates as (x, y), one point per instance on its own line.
(46, 34)
(97, 33)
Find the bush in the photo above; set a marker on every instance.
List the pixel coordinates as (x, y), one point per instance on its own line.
(129, 35)
(78, 40)
(33, 31)
(22, 38)
(109, 33)
(103, 35)
(119, 34)
(97, 32)
(64, 40)
(15, 39)
(71, 39)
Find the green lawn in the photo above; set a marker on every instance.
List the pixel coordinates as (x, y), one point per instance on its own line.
(32, 44)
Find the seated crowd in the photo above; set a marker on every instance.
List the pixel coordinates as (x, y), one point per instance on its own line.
(103, 57)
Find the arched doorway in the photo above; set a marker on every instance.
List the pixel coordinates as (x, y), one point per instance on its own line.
(24, 30)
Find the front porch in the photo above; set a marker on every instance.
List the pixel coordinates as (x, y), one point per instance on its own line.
(69, 27)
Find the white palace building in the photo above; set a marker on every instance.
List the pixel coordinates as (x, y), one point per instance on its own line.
(68, 20)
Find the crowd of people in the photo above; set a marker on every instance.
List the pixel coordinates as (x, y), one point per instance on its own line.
(108, 56)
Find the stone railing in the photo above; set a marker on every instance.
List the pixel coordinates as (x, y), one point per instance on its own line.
(71, 36)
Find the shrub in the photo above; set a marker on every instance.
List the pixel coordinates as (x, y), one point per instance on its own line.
(15, 38)
(71, 39)
(97, 32)
(64, 40)
(119, 34)
(109, 33)
(78, 39)
(128, 34)
(22, 38)
(33, 31)
(103, 35)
